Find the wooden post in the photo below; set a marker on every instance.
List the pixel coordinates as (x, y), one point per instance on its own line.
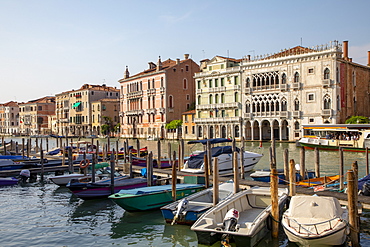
(112, 171)
(286, 164)
(125, 151)
(37, 145)
(233, 143)
(352, 207)
(28, 147)
(215, 182)
(23, 147)
(16, 148)
(242, 170)
(63, 155)
(47, 144)
(317, 163)
(236, 172)
(367, 161)
(272, 159)
(42, 162)
(209, 155)
(84, 162)
(274, 203)
(70, 161)
(355, 172)
(292, 178)
(108, 144)
(273, 151)
(181, 158)
(149, 169)
(130, 162)
(138, 147)
(174, 176)
(206, 170)
(93, 162)
(341, 169)
(169, 152)
(97, 150)
(159, 154)
(117, 150)
(303, 162)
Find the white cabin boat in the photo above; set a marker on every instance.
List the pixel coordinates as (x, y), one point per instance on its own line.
(316, 221)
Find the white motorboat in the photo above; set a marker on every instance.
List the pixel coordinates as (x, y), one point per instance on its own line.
(63, 180)
(189, 209)
(316, 221)
(195, 163)
(243, 217)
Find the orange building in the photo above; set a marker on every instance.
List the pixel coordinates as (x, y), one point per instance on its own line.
(156, 96)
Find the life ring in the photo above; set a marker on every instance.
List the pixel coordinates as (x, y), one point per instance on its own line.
(82, 165)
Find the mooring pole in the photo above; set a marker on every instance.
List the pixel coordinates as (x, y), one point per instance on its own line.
(159, 154)
(174, 176)
(112, 171)
(317, 163)
(215, 182)
(42, 162)
(286, 165)
(292, 178)
(303, 162)
(352, 208)
(367, 161)
(93, 162)
(206, 170)
(274, 203)
(341, 169)
(236, 172)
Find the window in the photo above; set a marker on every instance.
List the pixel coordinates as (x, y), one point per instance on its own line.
(236, 80)
(198, 82)
(187, 68)
(199, 100)
(216, 82)
(327, 102)
(170, 101)
(222, 98)
(210, 99)
(216, 98)
(296, 126)
(312, 120)
(310, 71)
(210, 83)
(148, 83)
(222, 82)
(354, 79)
(187, 97)
(236, 97)
(296, 105)
(185, 83)
(247, 83)
(310, 97)
(326, 74)
(296, 77)
(162, 84)
(284, 105)
(283, 79)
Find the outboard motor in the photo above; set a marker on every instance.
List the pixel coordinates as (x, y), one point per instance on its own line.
(230, 220)
(25, 174)
(366, 188)
(180, 208)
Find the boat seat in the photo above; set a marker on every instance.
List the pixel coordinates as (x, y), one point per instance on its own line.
(205, 204)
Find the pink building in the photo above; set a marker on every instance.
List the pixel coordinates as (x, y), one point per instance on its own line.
(156, 96)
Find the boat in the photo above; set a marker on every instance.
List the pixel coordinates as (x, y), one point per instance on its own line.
(165, 163)
(243, 218)
(8, 181)
(152, 197)
(331, 137)
(316, 221)
(264, 176)
(9, 164)
(195, 163)
(63, 180)
(102, 188)
(318, 181)
(187, 210)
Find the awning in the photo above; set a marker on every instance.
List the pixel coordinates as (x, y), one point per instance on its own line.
(76, 104)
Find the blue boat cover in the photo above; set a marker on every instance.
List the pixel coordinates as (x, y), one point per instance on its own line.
(212, 141)
(362, 181)
(13, 157)
(196, 161)
(158, 189)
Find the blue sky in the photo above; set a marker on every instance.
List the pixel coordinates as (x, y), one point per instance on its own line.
(51, 46)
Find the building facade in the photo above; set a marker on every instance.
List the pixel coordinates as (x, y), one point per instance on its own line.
(156, 96)
(74, 108)
(34, 116)
(280, 92)
(188, 125)
(105, 112)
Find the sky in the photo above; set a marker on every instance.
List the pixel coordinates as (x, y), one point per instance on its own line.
(52, 46)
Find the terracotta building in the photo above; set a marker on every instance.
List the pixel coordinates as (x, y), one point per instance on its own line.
(34, 114)
(104, 112)
(156, 96)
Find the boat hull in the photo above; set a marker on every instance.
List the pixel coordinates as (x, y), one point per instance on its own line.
(148, 201)
(8, 181)
(312, 146)
(64, 179)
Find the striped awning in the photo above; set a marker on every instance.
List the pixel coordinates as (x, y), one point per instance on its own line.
(76, 104)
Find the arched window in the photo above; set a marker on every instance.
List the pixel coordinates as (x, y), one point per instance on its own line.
(200, 130)
(247, 107)
(296, 77)
(296, 125)
(326, 74)
(338, 103)
(236, 133)
(210, 98)
(247, 83)
(338, 78)
(170, 101)
(185, 83)
(216, 98)
(236, 97)
(222, 98)
(283, 79)
(327, 102)
(148, 83)
(199, 100)
(296, 105)
(283, 105)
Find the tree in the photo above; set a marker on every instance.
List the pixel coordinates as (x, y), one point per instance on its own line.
(357, 120)
(107, 127)
(174, 125)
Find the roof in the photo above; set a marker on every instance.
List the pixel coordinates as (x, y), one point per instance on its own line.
(92, 87)
(292, 51)
(47, 99)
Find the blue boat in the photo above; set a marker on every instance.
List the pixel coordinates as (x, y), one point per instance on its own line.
(264, 176)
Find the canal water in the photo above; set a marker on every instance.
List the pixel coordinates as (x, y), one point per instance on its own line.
(44, 214)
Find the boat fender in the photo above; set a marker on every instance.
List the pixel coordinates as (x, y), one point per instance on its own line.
(84, 163)
(269, 222)
(231, 220)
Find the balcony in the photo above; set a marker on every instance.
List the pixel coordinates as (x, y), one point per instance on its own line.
(296, 114)
(64, 120)
(233, 105)
(162, 110)
(296, 86)
(136, 94)
(217, 120)
(326, 83)
(248, 91)
(327, 113)
(283, 87)
(199, 91)
(248, 116)
(283, 114)
(151, 91)
(162, 90)
(151, 111)
(134, 112)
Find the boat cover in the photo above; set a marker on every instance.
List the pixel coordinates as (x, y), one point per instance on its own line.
(314, 207)
(362, 181)
(212, 141)
(158, 189)
(196, 161)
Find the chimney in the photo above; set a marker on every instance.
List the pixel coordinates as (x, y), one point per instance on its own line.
(151, 65)
(368, 58)
(345, 50)
(159, 64)
(186, 56)
(127, 73)
(177, 60)
(249, 57)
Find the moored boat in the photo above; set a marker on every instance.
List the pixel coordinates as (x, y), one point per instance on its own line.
(189, 209)
(147, 198)
(8, 181)
(244, 218)
(315, 221)
(264, 176)
(318, 181)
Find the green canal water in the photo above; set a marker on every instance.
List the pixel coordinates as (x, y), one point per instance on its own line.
(44, 214)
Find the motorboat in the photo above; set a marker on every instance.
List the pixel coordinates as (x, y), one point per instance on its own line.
(195, 163)
(8, 181)
(264, 175)
(243, 218)
(187, 210)
(318, 181)
(316, 221)
(152, 197)
(63, 180)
